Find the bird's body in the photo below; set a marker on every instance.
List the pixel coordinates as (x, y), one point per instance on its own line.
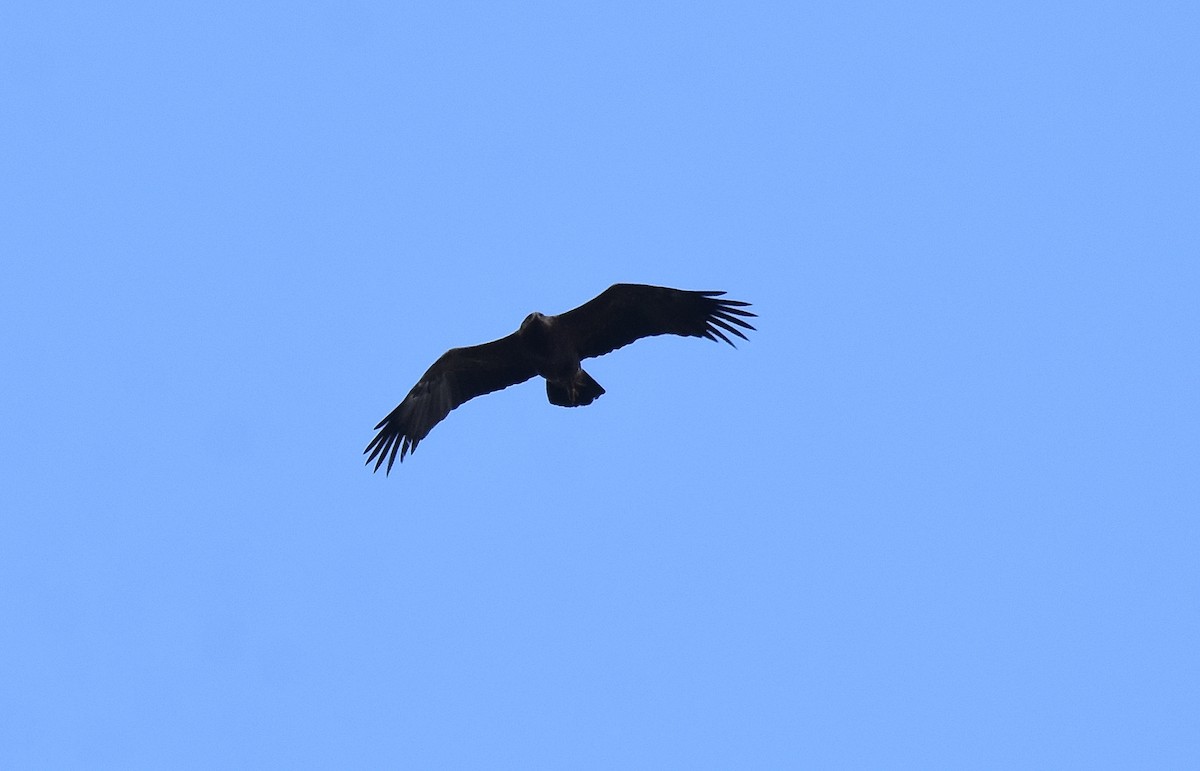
(556, 359)
(552, 347)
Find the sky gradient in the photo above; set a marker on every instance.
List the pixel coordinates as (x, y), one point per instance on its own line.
(940, 511)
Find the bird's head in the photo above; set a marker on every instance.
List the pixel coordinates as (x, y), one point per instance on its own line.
(533, 318)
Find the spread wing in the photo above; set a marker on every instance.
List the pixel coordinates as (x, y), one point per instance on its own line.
(459, 375)
(626, 312)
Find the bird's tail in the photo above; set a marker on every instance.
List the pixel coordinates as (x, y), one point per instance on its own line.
(582, 390)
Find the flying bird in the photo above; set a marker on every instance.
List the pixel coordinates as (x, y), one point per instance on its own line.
(553, 347)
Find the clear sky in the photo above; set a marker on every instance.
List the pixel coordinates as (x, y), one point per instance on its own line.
(941, 511)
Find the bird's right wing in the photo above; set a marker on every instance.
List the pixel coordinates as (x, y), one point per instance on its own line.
(459, 375)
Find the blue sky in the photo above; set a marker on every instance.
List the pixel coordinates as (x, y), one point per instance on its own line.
(939, 512)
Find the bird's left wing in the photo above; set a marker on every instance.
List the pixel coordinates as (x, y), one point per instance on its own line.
(624, 313)
(459, 375)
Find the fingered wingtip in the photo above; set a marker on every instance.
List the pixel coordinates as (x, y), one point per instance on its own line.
(727, 316)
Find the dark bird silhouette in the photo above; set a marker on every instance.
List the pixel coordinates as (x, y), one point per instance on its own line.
(553, 346)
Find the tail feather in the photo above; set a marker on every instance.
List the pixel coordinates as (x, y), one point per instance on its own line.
(582, 390)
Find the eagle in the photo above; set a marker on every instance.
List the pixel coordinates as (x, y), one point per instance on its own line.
(553, 347)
